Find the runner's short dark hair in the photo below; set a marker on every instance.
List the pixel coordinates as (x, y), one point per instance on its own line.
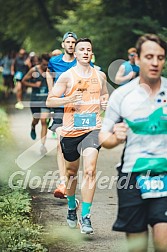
(151, 37)
(45, 56)
(83, 40)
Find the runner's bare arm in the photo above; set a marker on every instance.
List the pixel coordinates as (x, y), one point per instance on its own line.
(49, 79)
(55, 98)
(104, 92)
(26, 81)
(120, 78)
(112, 139)
(12, 68)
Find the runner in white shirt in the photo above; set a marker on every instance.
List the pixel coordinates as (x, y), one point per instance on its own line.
(141, 105)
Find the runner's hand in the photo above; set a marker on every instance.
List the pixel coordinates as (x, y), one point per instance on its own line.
(120, 131)
(38, 84)
(76, 96)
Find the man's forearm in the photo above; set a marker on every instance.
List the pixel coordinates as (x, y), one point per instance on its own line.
(49, 79)
(108, 140)
(121, 79)
(53, 102)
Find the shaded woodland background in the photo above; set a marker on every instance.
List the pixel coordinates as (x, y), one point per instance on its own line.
(113, 26)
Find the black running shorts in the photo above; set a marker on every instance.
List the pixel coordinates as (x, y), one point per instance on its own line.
(135, 213)
(72, 146)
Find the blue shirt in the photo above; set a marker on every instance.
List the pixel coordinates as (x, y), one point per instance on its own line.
(129, 68)
(58, 65)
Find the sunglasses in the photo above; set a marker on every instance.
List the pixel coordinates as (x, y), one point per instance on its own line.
(132, 54)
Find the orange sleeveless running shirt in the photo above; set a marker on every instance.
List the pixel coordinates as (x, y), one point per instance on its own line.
(83, 116)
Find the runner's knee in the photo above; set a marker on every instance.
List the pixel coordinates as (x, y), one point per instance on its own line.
(90, 172)
(71, 171)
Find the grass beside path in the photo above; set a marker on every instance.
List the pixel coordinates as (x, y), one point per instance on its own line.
(5, 135)
(18, 232)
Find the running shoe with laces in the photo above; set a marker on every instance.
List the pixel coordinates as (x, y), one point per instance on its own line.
(19, 105)
(60, 192)
(72, 219)
(85, 225)
(33, 133)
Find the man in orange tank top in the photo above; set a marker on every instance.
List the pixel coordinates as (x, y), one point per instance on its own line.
(85, 94)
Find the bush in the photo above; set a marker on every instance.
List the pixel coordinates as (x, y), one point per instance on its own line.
(18, 233)
(2, 87)
(5, 135)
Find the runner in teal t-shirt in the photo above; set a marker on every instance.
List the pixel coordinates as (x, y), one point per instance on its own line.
(128, 70)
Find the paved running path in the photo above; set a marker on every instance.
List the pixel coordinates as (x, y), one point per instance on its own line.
(51, 212)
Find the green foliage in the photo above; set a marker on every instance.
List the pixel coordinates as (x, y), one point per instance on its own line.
(5, 136)
(112, 26)
(164, 73)
(34, 19)
(2, 90)
(18, 233)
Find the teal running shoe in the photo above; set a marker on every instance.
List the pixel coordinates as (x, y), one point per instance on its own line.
(85, 225)
(33, 133)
